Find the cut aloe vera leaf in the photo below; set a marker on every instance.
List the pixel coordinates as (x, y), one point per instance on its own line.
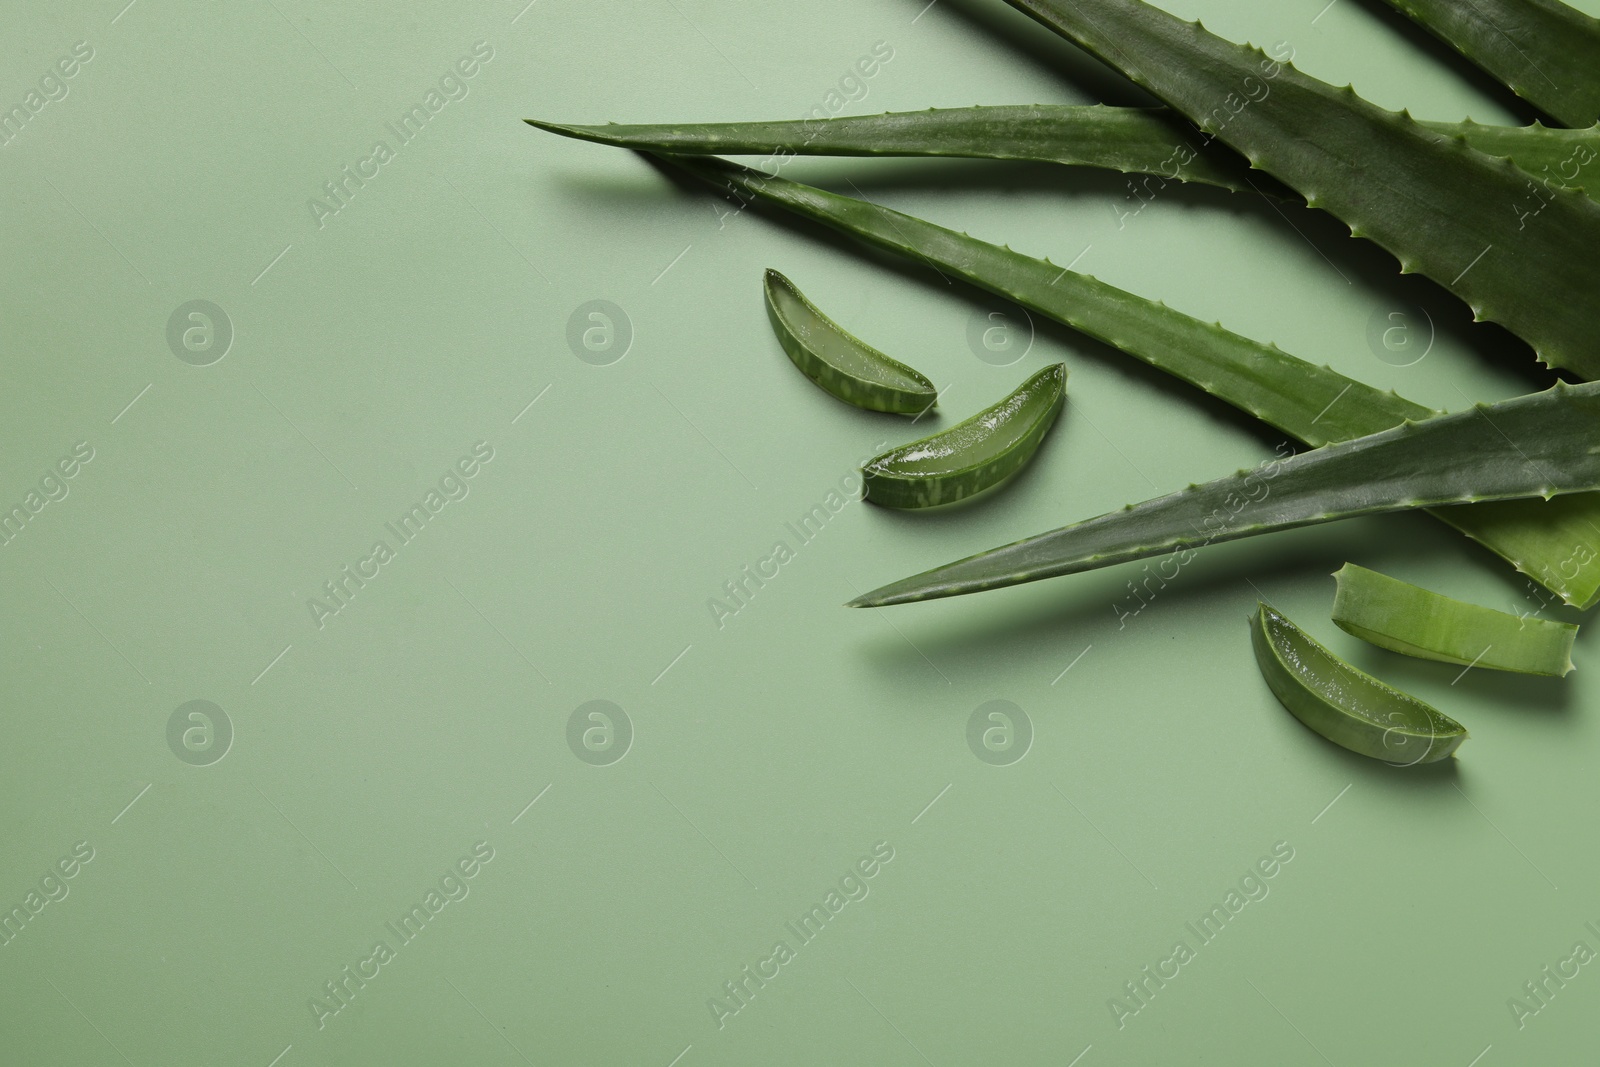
(840, 364)
(970, 456)
(1347, 706)
(1545, 51)
(1440, 206)
(1554, 542)
(1153, 141)
(1405, 618)
(1537, 445)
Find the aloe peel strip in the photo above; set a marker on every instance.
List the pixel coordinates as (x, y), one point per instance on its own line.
(1556, 543)
(1414, 621)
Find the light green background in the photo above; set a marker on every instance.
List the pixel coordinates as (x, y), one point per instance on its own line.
(770, 754)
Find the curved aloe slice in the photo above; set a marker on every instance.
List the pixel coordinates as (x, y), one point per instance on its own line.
(1429, 199)
(1153, 141)
(1404, 618)
(1544, 51)
(1555, 542)
(1536, 445)
(973, 455)
(1347, 706)
(854, 372)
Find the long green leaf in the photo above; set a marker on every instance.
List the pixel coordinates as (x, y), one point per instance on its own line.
(1530, 446)
(1313, 403)
(1544, 51)
(1556, 543)
(1442, 207)
(1151, 141)
(1131, 140)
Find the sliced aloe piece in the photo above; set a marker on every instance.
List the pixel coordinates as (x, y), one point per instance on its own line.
(854, 372)
(1153, 141)
(1347, 706)
(1405, 618)
(1554, 542)
(1544, 51)
(973, 455)
(1440, 206)
(1536, 445)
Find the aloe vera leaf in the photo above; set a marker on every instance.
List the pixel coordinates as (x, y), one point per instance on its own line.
(972, 455)
(1443, 208)
(838, 363)
(1546, 52)
(1551, 155)
(1133, 140)
(1555, 542)
(1347, 706)
(1152, 141)
(1531, 446)
(1315, 404)
(1417, 622)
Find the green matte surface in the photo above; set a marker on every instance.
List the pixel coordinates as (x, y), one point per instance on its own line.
(1138, 768)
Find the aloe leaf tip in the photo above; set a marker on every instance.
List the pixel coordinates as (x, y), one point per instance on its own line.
(581, 133)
